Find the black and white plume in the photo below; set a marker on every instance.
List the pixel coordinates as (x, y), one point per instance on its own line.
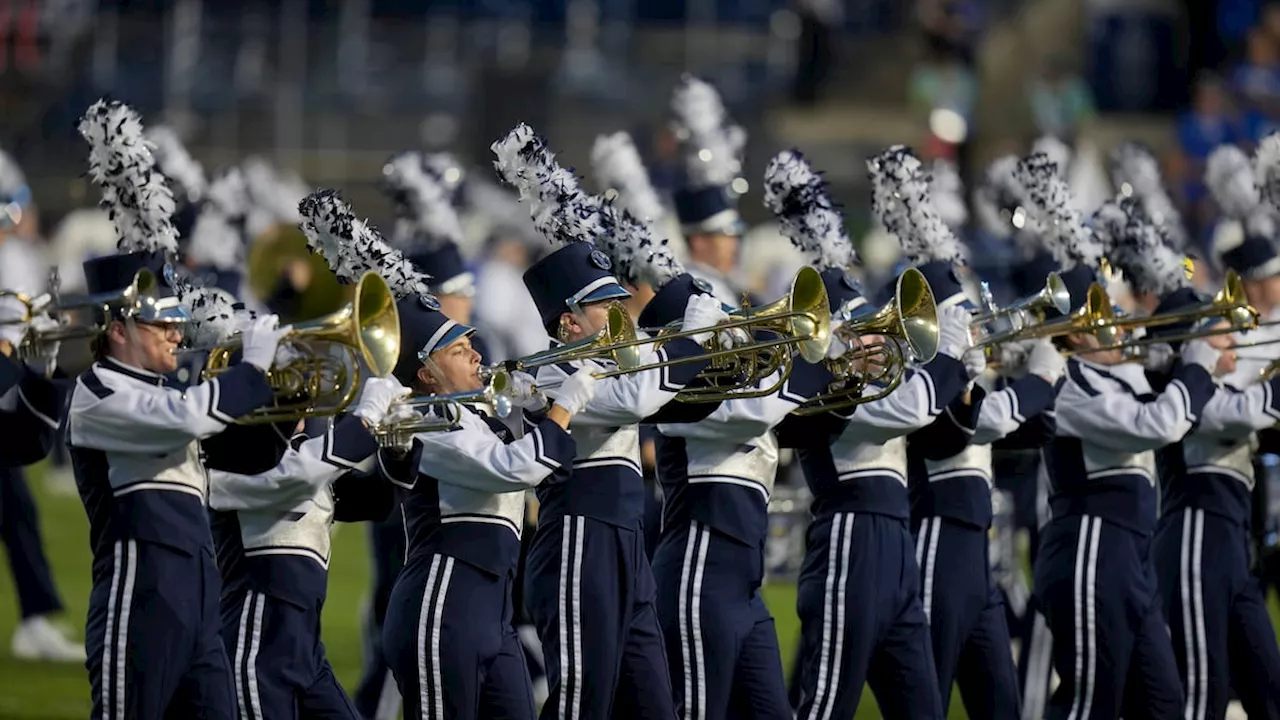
(713, 144)
(617, 166)
(218, 237)
(798, 198)
(215, 314)
(1135, 172)
(901, 200)
(1050, 205)
(447, 170)
(638, 255)
(947, 189)
(352, 247)
(1058, 151)
(1139, 249)
(1230, 176)
(562, 212)
(1267, 169)
(998, 204)
(176, 163)
(134, 192)
(272, 191)
(426, 217)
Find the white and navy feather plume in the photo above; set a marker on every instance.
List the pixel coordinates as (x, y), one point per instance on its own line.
(712, 143)
(560, 209)
(1135, 172)
(215, 315)
(1230, 177)
(1050, 204)
(902, 202)
(447, 170)
(617, 166)
(352, 247)
(638, 255)
(1139, 249)
(427, 217)
(176, 163)
(1267, 169)
(272, 191)
(797, 195)
(134, 193)
(1060, 153)
(217, 239)
(947, 189)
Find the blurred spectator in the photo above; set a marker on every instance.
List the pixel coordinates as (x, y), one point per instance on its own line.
(1060, 99)
(943, 92)
(1211, 121)
(949, 27)
(819, 21)
(1257, 78)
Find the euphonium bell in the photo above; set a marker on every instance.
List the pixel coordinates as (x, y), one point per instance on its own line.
(909, 320)
(406, 419)
(316, 384)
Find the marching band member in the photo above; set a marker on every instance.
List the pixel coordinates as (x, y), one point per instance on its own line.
(448, 635)
(31, 407)
(589, 588)
(153, 627)
(952, 480)
(705, 202)
(428, 230)
(1093, 574)
(861, 617)
(1216, 611)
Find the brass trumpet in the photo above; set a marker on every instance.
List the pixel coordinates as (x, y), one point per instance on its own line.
(365, 330)
(909, 321)
(1229, 305)
(137, 299)
(616, 342)
(996, 325)
(406, 419)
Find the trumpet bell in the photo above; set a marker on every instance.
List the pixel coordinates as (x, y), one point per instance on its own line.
(1056, 295)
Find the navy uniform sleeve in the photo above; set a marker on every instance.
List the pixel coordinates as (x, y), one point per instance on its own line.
(951, 432)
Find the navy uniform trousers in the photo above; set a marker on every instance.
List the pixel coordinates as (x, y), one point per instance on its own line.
(1217, 614)
(1098, 591)
(20, 532)
(967, 618)
(386, 549)
(278, 661)
(590, 592)
(720, 638)
(153, 636)
(449, 641)
(861, 621)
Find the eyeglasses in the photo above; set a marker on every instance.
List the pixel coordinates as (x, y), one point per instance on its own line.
(168, 331)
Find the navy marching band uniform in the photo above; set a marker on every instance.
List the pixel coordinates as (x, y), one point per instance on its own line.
(590, 589)
(448, 635)
(153, 629)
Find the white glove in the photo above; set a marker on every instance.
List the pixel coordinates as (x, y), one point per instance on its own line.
(1159, 357)
(260, 340)
(732, 338)
(1014, 357)
(1200, 352)
(975, 362)
(954, 337)
(377, 397)
(576, 391)
(1046, 361)
(701, 313)
(42, 358)
(524, 392)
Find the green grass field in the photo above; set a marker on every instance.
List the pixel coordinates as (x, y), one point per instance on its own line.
(33, 691)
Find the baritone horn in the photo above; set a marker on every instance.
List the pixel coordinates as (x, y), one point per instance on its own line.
(907, 324)
(406, 417)
(316, 383)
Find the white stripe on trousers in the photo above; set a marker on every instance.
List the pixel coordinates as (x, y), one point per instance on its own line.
(115, 637)
(248, 642)
(1192, 591)
(926, 560)
(571, 610)
(1086, 616)
(1039, 665)
(695, 680)
(833, 616)
(430, 617)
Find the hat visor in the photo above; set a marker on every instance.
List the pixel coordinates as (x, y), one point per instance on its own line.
(611, 291)
(162, 311)
(455, 332)
(463, 285)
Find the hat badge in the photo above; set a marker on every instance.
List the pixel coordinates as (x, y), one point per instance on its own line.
(600, 260)
(701, 285)
(429, 302)
(170, 275)
(847, 280)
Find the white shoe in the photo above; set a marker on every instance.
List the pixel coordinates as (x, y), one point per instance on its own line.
(38, 639)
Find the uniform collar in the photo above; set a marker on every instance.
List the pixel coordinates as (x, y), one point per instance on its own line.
(139, 374)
